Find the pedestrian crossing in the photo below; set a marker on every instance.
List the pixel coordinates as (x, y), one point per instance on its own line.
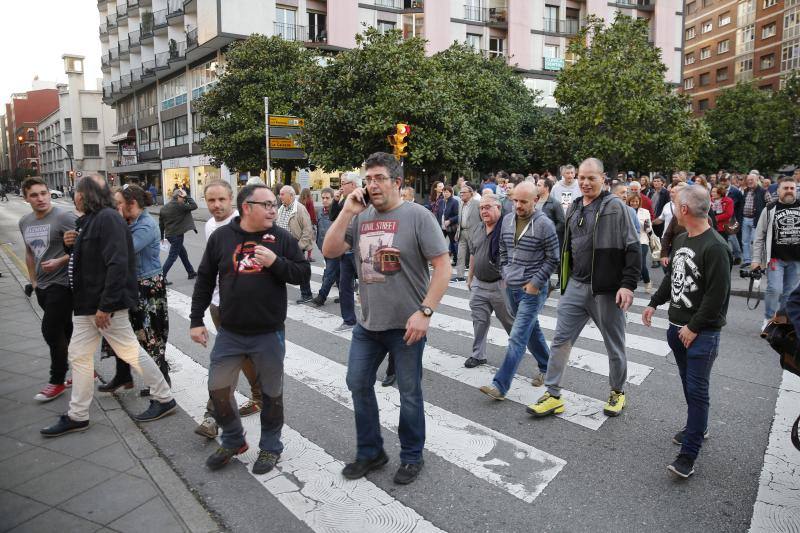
(510, 464)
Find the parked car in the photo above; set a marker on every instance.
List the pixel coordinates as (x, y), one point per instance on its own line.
(55, 193)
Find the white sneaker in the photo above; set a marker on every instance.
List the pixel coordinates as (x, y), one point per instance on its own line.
(648, 287)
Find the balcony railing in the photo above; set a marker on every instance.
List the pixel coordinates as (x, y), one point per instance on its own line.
(290, 32)
(174, 7)
(136, 74)
(105, 61)
(177, 50)
(162, 60)
(125, 80)
(133, 3)
(148, 67)
(133, 37)
(103, 28)
(394, 4)
(147, 147)
(413, 4)
(111, 20)
(106, 91)
(491, 54)
(113, 54)
(146, 27)
(146, 112)
(123, 46)
(159, 18)
(476, 13)
(191, 38)
(563, 26)
(498, 15)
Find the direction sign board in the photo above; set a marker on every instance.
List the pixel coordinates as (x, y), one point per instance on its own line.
(282, 131)
(285, 120)
(283, 143)
(287, 154)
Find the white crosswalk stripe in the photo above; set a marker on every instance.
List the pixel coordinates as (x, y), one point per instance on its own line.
(516, 467)
(587, 360)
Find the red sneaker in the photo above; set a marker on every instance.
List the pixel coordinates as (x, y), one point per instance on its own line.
(50, 392)
(68, 383)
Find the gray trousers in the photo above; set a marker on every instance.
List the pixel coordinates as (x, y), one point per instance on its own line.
(485, 297)
(464, 251)
(575, 308)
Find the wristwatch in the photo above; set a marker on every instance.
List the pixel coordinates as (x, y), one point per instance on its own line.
(427, 311)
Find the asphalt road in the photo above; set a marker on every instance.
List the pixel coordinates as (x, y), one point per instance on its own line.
(489, 466)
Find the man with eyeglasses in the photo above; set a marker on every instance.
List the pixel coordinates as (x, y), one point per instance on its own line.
(254, 259)
(393, 241)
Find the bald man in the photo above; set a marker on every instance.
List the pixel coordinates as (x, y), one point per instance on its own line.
(528, 250)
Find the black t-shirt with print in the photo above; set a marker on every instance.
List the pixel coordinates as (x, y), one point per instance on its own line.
(786, 232)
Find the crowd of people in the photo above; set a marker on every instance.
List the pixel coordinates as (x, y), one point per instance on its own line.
(512, 239)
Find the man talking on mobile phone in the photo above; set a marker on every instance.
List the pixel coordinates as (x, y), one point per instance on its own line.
(392, 242)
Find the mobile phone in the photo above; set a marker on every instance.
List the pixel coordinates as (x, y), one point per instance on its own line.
(365, 197)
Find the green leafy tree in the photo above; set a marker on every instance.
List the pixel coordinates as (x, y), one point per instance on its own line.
(465, 111)
(784, 123)
(616, 105)
(233, 110)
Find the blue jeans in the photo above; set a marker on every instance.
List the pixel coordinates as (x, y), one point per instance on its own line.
(525, 332)
(645, 262)
(176, 249)
(782, 278)
(329, 277)
(748, 229)
(694, 366)
(347, 277)
(367, 350)
(736, 248)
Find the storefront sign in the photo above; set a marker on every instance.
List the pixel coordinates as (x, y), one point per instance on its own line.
(553, 63)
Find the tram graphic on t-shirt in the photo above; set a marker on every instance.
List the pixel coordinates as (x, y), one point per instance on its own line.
(378, 257)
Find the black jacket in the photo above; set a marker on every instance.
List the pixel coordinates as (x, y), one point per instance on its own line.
(738, 203)
(252, 299)
(555, 212)
(659, 199)
(104, 265)
(175, 218)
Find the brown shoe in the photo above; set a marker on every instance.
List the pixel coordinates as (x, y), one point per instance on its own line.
(249, 408)
(492, 393)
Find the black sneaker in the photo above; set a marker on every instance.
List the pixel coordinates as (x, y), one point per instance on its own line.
(319, 302)
(678, 438)
(192, 275)
(408, 472)
(223, 456)
(157, 410)
(336, 300)
(304, 299)
(360, 468)
(473, 362)
(683, 466)
(265, 462)
(389, 380)
(64, 425)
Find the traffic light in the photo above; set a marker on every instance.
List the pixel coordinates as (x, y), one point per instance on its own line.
(399, 140)
(71, 175)
(20, 139)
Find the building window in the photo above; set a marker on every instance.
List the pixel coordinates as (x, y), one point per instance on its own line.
(474, 41)
(67, 125)
(688, 83)
(89, 124)
(705, 79)
(791, 23)
(91, 150)
(707, 3)
(414, 25)
(551, 18)
(766, 62)
(769, 3)
(790, 55)
(766, 88)
(385, 25)
(497, 47)
(723, 46)
(707, 26)
(768, 31)
(69, 148)
(317, 30)
(744, 65)
(724, 19)
(688, 59)
(146, 103)
(702, 105)
(705, 53)
(691, 8)
(203, 78)
(286, 23)
(197, 122)
(745, 39)
(690, 32)
(173, 92)
(176, 132)
(148, 138)
(722, 74)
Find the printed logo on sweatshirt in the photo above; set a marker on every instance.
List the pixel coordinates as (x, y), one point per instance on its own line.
(244, 258)
(378, 258)
(685, 273)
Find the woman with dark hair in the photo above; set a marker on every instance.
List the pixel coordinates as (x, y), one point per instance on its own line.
(449, 221)
(645, 229)
(149, 319)
(722, 207)
(436, 200)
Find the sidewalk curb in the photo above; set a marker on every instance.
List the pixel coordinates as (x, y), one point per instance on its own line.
(176, 494)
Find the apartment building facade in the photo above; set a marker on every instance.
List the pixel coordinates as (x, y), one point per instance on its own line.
(82, 124)
(159, 56)
(23, 114)
(732, 41)
(5, 154)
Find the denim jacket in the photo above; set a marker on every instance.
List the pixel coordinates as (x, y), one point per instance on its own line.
(146, 238)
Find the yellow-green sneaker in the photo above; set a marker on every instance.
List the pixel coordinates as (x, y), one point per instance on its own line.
(546, 405)
(616, 402)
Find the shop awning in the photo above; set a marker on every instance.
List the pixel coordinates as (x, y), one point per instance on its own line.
(119, 137)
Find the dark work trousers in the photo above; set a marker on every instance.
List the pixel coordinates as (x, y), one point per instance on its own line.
(176, 250)
(56, 302)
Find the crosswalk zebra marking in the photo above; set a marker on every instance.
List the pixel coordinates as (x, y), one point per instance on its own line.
(507, 463)
(583, 359)
(637, 342)
(307, 481)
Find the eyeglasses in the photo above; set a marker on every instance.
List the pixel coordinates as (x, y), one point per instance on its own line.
(265, 205)
(380, 178)
(487, 207)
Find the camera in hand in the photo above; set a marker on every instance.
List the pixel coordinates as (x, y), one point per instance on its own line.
(754, 274)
